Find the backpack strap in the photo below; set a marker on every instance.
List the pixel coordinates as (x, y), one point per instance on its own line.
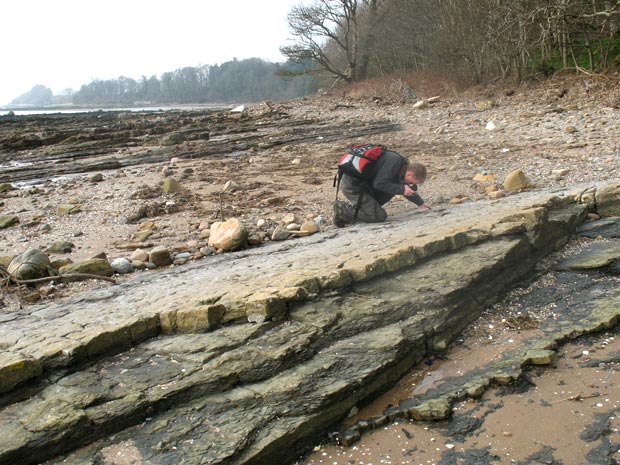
(337, 179)
(358, 205)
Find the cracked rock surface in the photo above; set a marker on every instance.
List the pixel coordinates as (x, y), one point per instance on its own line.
(333, 320)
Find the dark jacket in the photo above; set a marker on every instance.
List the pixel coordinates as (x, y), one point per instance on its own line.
(388, 179)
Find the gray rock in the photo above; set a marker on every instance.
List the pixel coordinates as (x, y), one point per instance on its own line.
(96, 266)
(280, 233)
(160, 256)
(121, 266)
(32, 264)
(8, 220)
(61, 247)
(595, 256)
(138, 264)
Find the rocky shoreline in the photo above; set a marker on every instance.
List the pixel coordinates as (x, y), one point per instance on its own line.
(306, 315)
(253, 355)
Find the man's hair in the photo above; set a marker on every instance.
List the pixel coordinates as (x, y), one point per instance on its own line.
(418, 169)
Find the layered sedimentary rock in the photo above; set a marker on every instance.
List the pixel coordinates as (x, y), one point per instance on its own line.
(249, 357)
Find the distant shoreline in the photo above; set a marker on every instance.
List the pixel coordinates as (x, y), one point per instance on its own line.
(35, 110)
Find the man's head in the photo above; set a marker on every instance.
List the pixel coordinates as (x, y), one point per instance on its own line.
(416, 174)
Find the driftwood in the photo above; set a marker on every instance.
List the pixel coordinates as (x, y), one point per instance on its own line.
(6, 278)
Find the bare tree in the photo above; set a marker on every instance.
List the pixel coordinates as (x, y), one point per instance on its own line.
(333, 35)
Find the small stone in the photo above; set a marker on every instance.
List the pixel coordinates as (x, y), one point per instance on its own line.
(570, 129)
(8, 220)
(230, 187)
(280, 233)
(147, 226)
(420, 105)
(484, 177)
(61, 247)
(541, 357)
(97, 266)
(292, 227)
(160, 256)
(288, 219)
(457, 200)
(310, 227)
(206, 251)
(121, 266)
(170, 186)
(254, 240)
(139, 254)
(515, 181)
(141, 236)
(138, 264)
(319, 220)
(58, 263)
(193, 244)
(261, 223)
(5, 187)
(559, 173)
(496, 194)
(492, 126)
(98, 177)
(68, 209)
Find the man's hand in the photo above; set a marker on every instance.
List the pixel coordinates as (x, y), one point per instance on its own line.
(408, 191)
(425, 207)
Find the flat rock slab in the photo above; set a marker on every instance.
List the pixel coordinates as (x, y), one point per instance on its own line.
(336, 318)
(606, 227)
(595, 256)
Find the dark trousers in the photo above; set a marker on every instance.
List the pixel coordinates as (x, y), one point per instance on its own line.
(369, 210)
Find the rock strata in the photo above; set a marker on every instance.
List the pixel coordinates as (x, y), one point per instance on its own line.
(337, 317)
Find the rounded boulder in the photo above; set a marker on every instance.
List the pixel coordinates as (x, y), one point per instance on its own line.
(228, 235)
(32, 264)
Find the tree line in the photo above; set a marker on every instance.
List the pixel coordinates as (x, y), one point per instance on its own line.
(480, 40)
(248, 80)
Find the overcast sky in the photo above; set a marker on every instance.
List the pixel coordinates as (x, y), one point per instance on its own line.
(66, 43)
